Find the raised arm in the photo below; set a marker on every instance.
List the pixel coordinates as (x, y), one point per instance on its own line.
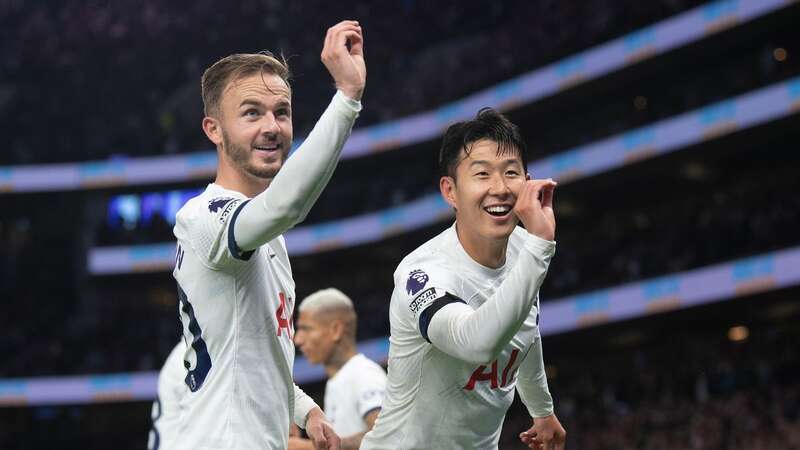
(300, 181)
(479, 335)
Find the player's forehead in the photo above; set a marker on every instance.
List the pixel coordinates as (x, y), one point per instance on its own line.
(260, 87)
(309, 317)
(487, 152)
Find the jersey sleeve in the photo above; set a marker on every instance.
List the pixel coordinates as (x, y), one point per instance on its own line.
(369, 391)
(208, 227)
(424, 289)
(532, 382)
(479, 335)
(303, 404)
(299, 183)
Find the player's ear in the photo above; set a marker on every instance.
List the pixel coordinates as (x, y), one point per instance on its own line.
(212, 129)
(337, 330)
(447, 186)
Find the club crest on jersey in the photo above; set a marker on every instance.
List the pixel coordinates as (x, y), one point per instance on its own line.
(215, 204)
(417, 280)
(228, 203)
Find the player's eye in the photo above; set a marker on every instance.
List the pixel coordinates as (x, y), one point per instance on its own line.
(512, 173)
(252, 112)
(283, 112)
(482, 174)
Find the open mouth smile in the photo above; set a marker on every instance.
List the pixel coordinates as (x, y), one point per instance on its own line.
(498, 211)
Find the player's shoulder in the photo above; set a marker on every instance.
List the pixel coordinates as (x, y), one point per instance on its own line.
(431, 255)
(214, 202)
(366, 364)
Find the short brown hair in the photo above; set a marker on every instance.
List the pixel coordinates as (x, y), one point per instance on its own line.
(233, 67)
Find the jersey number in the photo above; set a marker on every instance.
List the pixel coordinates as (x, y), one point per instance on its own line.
(481, 374)
(194, 377)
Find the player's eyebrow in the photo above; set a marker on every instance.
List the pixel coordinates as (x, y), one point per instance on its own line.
(250, 101)
(512, 161)
(254, 102)
(479, 162)
(482, 162)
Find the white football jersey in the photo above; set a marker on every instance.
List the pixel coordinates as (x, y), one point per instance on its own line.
(236, 309)
(434, 400)
(355, 390)
(166, 412)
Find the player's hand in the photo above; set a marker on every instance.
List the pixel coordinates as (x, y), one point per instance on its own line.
(346, 65)
(296, 443)
(545, 434)
(321, 432)
(534, 208)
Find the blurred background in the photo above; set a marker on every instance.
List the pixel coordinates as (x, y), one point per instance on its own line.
(671, 312)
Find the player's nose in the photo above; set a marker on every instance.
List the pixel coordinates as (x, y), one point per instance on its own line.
(499, 187)
(269, 125)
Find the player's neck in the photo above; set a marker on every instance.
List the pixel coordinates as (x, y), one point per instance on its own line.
(232, 179)
(486, 252)
(338, 359)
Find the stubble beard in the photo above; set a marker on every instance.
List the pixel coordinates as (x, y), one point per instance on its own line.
(241, 158)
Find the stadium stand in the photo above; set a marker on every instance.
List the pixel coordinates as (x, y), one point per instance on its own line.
(107, 46)
(673, 380)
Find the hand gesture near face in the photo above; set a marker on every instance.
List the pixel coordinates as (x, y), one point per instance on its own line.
(534, 208)
(343, 56)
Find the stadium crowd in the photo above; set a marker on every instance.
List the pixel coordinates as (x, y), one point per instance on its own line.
(109, 82)
(668, 394)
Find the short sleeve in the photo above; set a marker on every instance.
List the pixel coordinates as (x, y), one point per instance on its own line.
(209, 228)
(369, 391)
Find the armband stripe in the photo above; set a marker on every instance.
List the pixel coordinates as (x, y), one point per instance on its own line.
(427, 315)
(232, 246)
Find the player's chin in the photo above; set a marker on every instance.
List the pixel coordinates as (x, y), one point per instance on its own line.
(264, 170)
(500, 229)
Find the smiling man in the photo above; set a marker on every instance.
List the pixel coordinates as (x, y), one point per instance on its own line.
(464, 313)
(235, 284)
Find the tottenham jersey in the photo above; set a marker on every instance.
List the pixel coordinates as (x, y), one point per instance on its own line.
(434, 400)
(351, 394)
(236, 310)
(166, 412)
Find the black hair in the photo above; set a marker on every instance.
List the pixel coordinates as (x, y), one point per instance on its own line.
(488, 124)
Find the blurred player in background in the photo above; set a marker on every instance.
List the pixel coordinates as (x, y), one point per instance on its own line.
(166, 412)
(464, 314)
(326, 334)
(235, 283)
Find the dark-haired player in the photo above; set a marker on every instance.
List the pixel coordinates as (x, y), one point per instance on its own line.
(464, 313)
